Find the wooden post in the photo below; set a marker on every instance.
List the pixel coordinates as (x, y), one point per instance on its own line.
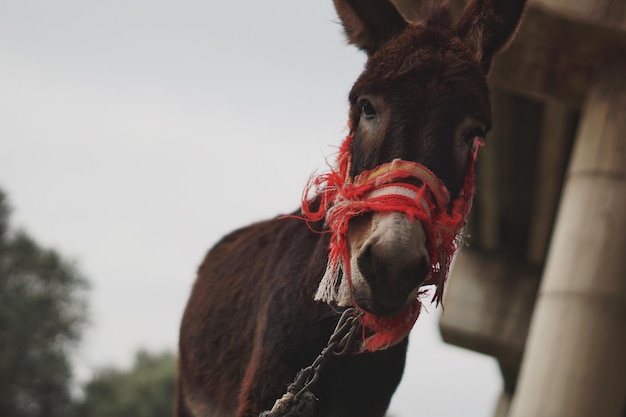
(575, 357)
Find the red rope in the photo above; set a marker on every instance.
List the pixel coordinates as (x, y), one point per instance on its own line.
(343, 198)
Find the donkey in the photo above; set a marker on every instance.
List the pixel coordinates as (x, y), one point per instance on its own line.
(372, 233)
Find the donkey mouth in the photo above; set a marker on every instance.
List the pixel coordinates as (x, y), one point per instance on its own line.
(389, 289)
(381, 309)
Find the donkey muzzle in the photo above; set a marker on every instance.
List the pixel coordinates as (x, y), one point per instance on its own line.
(390, 264)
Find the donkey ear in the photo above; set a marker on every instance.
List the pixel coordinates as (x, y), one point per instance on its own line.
(487, 25)
(369, 24)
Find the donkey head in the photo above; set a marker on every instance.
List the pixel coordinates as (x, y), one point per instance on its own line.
(423, 98)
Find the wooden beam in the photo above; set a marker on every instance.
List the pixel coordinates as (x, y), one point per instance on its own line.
(553, 57)
(607, 13)
(489, 301)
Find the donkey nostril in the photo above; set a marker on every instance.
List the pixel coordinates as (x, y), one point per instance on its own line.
(365, 261)
(398, 266)
(385, 257)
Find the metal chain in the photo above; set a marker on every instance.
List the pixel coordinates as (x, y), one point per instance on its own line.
(338, 344)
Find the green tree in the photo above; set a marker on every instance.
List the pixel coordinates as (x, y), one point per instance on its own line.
(42, 315)
(146, 390)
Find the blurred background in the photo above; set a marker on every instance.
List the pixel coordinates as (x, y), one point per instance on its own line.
(135, 133)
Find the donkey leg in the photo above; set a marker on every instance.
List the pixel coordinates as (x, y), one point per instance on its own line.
(263, 377)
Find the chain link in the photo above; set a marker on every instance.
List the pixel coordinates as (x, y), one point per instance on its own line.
(339, 344)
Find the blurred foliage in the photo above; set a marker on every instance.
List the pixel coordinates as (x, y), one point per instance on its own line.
(146, 390)
(42, 315)
(43, 312)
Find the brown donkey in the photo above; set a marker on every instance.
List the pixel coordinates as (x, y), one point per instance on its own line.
(381, 225)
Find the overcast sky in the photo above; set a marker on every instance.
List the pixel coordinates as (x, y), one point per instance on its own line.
(135, 133)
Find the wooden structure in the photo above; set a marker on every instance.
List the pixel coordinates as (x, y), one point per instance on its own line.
(542, 287)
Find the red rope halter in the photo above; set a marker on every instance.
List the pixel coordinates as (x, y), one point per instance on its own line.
(381, 190)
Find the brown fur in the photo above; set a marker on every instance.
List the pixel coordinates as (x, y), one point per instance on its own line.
(251, 322)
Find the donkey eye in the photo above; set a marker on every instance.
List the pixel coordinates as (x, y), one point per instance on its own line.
(471, 134)
(367, 109)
